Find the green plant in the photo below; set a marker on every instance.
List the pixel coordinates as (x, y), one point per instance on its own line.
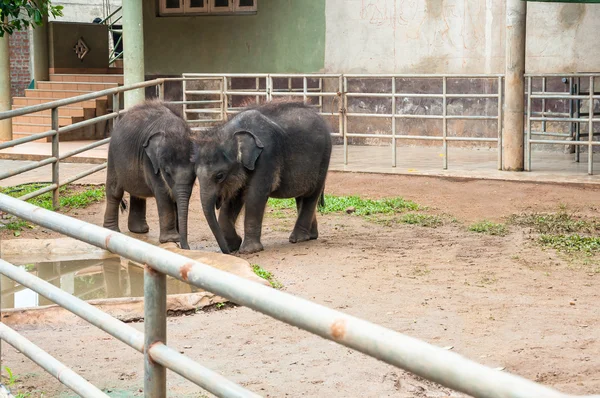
(424, 220)
(69, 197)
(490, 228)
(24, 13)
(263, 273)
(220, 305)
(12, 379)
(571, 243)
(361, 207)
(556, 223)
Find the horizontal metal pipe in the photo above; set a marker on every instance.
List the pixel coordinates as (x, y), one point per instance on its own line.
(583, 74)
(89, 122)
(86, 173)
(24, 140)
(422, 76)
(549, 134)
(27, 167)
(39, 192)
(302, 94)
(558, 96)
(471, 117)
(565, 142)
(408, 116)
(84, 148)
(358, 114)
(425, 360)
(204, 101)
(74, 100)
(65, 375)
(123, 332)
(187, 102)
(557, 119)
(205, 378)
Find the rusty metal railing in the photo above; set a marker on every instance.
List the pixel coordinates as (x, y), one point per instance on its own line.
(433, 363)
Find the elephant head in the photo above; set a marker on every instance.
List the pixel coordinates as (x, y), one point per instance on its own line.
(169, 153)
(224, 158)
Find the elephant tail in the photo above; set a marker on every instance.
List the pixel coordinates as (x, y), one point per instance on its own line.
(123, 205)
(321, 205)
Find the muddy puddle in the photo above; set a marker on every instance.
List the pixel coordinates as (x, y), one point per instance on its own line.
(86, 279)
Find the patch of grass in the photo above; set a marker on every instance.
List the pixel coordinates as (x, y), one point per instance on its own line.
(263, 273)
(571, 243)
(69, 197)
(556, 223)
(16, 225)
(362, 207)
(220, 305)
(424, 220)
(489, 228)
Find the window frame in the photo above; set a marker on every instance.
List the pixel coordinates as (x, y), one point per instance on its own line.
(185, 9)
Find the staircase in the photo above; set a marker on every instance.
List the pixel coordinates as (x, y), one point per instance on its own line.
(65, 86)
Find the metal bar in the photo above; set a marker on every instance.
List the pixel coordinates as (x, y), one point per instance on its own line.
(500, 123)
(551, 134)
(341, 97)
(224, 99)
(528, 136)
(74, 100)
(116, 109)
(558, 96)
(121, 331)
(161, 92)
(65, 375)
(557, 119)
(86, 173)
(591, 128)
(305, 87)
(25, 168)
(55, 155)
(422, 76)
(257, 97)
(345, 94)
(433, 363)
(19, 141)
(544, 103)
(394, 157)
(88, 122)
(578, 127)
(155, 331)
(39, 192)
(445, 123)
(565, 142)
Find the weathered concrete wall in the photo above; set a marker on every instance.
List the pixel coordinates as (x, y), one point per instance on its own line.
(455, 36)
(284, 36)
(84, 10)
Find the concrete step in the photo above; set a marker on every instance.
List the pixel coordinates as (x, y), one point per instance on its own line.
(87, 113)
(28, 101)
(86, 78)
(82, 133)
(74, 86)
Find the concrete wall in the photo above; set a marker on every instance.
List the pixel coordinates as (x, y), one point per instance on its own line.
(84, 11)
(284, 36)
(62, 38)
(455, 36)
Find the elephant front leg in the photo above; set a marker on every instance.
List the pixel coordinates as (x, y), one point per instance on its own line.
(230, 210)
(137, 216)
(114, 195)
(167, 218)
(255, 210)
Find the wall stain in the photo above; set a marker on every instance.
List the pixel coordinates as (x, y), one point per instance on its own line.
(571, 15)
(434, 8)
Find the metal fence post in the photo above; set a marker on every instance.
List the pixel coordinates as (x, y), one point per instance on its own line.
(345, 111)
(444, 121)
(304, 88)
(161, 92)
(155, 331)
(116, 108)
(591, 128)
(55, 165)
(500, 99)
(224, 96)
(528, 135)
(394, 122)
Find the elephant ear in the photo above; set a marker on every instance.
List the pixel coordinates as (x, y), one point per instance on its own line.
(152, 149)
(249, 148)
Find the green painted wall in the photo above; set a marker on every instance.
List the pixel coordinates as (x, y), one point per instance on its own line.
(284, 36)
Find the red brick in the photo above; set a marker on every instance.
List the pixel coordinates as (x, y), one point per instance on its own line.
(20, 69)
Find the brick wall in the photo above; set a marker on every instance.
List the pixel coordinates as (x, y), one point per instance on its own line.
(20, 76)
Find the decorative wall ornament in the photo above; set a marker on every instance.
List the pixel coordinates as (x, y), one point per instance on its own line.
(81, 49)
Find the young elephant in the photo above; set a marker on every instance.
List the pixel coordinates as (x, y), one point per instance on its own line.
(149, 156)
(279, 150)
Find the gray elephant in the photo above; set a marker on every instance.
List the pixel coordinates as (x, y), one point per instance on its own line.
(279, 150)
(149, 156)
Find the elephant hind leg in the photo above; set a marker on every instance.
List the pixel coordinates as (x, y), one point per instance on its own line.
(137, 216)
(114, 196)
(306, 224)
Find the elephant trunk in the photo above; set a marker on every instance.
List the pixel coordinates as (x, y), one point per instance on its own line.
(183, 201)
(209, 200)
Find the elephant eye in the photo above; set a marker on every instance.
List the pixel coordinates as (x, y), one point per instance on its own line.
(219, 177)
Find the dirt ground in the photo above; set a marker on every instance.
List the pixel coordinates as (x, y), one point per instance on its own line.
(501, 301)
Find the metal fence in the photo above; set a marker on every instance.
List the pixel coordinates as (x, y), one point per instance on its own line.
(433, 363)
(342, 89)
(572, 115)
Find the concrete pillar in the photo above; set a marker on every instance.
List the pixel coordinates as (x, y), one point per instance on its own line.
(133, 50)
(513, 134)
(39, 51)
(5, 99)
